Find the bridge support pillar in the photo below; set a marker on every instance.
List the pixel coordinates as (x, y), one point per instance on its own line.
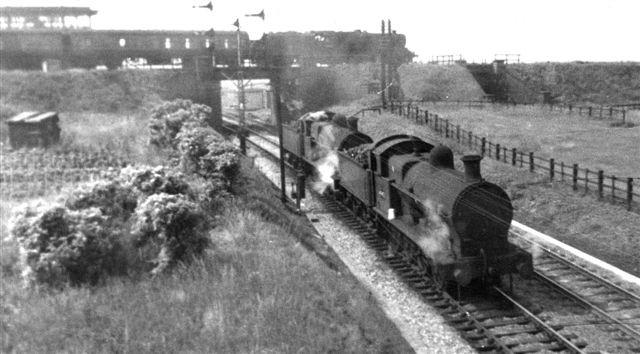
(211, 93)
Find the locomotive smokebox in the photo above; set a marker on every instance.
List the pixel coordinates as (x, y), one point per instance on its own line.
(472, 167)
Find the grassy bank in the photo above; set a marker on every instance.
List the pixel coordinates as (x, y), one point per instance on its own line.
(257, 289)
(578, 82)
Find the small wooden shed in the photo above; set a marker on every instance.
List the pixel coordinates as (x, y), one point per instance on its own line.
(34, 129)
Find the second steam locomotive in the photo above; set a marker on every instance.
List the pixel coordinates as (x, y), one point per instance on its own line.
(451, 224)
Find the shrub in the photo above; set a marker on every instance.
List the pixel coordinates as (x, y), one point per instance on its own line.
(152, 180)
(111, 197)
(61, 246)
(168, 118)
(204, 152)
(172, 224)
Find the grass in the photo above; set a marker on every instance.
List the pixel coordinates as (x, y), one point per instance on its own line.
(590, 142)
(257, 290)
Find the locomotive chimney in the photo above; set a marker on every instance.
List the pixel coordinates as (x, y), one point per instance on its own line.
(472, 167)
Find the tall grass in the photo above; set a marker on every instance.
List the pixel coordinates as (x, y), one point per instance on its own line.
(258, 290)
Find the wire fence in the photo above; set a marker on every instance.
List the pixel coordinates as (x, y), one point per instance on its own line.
(607, 187)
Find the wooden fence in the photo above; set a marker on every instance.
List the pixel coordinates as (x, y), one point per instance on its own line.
(612, 112)
(607, 187)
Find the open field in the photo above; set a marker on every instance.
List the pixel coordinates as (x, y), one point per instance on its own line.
(603, 230)
(590, 142)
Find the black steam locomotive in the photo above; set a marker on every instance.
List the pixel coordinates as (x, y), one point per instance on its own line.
(452, 224)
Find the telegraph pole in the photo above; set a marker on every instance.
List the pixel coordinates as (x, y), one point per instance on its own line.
(241, 100)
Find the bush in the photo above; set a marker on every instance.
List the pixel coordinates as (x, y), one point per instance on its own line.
(61, 246)
(111, 197)
(168, 118)
(153, 180)
(204, 152)
(173, 225)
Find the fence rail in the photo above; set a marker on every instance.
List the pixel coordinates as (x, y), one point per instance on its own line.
(607, 187)
(611, 111)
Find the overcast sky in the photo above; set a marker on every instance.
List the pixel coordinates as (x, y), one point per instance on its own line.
(539, 30)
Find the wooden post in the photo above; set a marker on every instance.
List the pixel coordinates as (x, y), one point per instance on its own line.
(470, 139)
(458, 132)
(586, 180)
(590, 110)
(504, 154)
(483, 147)
(562, 171)
(435, 123)
(570, 108)
(498, 152)
(600, 184)
(575, 176)
(624, 116)
(531, 163)
(552, 168)
(446, 128)
(521, 158)
(417, 113)
(383, 70)
(613, 187)
(629, 192)
(600, 111)
(278, 112)
(610, 112)
(408, 110)
(513, 156)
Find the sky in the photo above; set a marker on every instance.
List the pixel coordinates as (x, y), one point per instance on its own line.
(538, 30)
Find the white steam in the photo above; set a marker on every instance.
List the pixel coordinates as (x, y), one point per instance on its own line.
(326, 167)
(435, 241)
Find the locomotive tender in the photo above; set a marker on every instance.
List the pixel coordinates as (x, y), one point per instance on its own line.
(452, 224)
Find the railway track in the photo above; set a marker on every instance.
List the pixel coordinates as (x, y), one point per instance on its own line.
(612, 304)
(497, 321)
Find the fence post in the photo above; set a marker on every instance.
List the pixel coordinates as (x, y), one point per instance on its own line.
(513, 156)
(426, 118)
(629, 192)
(600, 184)
(498, 152)
(624, 116)
(575, 176)
(570, 108)
(580, 111)
(483, 148)
(458, 132)
(521, 158)
(470, 139)
(417, 113)
(610, 112)
(446, 127)
(504, 154)
(531, 164)
(590, 110)
(600, 111)
(586, 180)
(552, 167)
(436, 123)
(613, 187)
